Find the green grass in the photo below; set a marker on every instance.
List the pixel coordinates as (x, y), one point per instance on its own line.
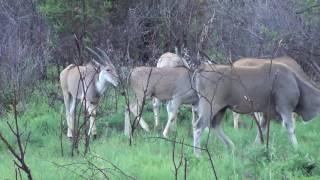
(151, 158)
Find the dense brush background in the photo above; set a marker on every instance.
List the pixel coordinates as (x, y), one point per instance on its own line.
(37, 41)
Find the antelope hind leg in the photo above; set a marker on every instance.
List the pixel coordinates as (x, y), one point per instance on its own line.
(156, 106)
(215, 124)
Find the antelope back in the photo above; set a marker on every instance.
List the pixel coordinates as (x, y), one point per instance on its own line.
(171, 60)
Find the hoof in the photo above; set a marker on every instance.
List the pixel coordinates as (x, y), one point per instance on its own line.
(156, 128)
(165, 135)
(94, 137)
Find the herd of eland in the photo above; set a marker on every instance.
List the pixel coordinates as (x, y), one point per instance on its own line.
(274, 88)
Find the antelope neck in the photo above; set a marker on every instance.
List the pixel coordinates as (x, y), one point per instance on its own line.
(101, 84)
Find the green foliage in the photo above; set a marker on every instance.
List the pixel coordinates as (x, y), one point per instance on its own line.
(69, 17)
(271, 35)
(310, 14)
(151, 158)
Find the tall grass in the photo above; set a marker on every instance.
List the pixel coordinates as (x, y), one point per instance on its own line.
(151, 158)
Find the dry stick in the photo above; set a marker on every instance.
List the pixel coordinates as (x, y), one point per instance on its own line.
(61, 133)
(19, 172)
(211, 161)
(125, 85)
(207, 56)
(210, 101)
(173, 158)
(17, 133)
(86, 116)
(76, 132)
(259, 128)
(83, 104)
(206, 149)
(87, 137)
(268, 115)
(116, 167)
(308, 9)
(84, 100)
(204, 35)
(206, 145)
(16, 172)
(256, 121)
(176, 167)
(252, 106)
(70, 170)
(269, 99)
(75, 125)
(137, 119)
(99, 169)
(175, 142)
(20, 155)
(185, 168)
(207, 141)
(126, 96)
(127, 101)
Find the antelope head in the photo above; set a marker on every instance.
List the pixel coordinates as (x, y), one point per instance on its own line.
(105, 68)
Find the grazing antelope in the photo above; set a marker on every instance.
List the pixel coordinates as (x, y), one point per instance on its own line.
(166, 84)
(168, 60)
(274, 90)
(87, 83)
(286, 60)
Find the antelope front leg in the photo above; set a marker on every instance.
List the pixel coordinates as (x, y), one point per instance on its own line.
(156, 106)
(204, 112)
(135, 109)
(236, 117)
(71, 117)
(127, 123)
(92, 114)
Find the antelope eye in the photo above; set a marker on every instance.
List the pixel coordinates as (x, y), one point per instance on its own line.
(108, 70)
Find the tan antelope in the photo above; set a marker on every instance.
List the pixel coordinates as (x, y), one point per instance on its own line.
(168, 60)
(274, 90)
(87, 83)
(285, 60)
(255, 61)
(166, 84)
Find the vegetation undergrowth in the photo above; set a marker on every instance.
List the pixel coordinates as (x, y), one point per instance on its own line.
(150, 157)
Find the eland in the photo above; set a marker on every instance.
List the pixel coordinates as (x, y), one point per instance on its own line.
(166, 84)
(87, 83)
(285, 60)
(169, 60)
(273, 89)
